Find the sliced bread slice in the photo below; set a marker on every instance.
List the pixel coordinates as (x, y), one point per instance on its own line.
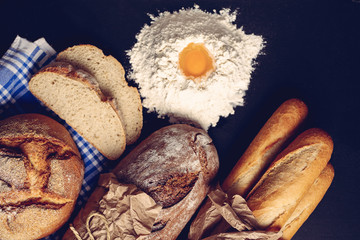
(111, 78)
(75, 96)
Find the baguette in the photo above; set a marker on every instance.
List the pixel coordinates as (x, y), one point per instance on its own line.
(308, 204)
(265, 146)
(287, 180)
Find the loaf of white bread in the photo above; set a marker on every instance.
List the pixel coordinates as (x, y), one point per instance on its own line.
(41, 173)
(309, 202)
(289, 178)
(88, 90)
(286, 192)
(270, 140)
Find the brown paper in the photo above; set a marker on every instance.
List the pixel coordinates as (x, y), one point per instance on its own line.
(115, 211)
(220, 213)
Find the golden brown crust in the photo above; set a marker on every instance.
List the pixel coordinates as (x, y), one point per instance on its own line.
(285, 183)
(308, 204)
(25, 126)
(265, 146)
(39, 191)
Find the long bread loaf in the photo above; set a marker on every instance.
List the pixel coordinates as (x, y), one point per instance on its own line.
(287, 180)
(265, 146)
(308, 204)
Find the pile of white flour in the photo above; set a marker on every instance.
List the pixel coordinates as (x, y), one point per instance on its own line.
(154, 61)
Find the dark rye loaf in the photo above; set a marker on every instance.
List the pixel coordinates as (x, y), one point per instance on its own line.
(175, 166)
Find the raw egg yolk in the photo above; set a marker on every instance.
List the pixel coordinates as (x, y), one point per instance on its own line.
(195, 61)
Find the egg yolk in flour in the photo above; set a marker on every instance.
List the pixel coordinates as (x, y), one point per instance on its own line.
(195, 62)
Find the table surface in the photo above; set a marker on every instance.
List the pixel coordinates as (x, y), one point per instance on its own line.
(312, 52)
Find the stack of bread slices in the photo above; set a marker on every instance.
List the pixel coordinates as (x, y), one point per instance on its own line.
(89, 91)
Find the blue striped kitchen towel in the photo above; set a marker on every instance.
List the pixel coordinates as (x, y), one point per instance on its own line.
(22, 60)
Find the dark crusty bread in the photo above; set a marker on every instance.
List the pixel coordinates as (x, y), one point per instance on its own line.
(289, 177)
(41, 173)
(174, 165)
(265, 146)
(75, 96)
(308, 204)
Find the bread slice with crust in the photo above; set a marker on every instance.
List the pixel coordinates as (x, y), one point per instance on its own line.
(75, 96)
(111, 78)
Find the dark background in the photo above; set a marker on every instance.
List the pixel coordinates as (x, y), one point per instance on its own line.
(312, 52)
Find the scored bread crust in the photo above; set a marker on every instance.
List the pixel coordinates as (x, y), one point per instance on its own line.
(286, 181)
(69, 72)
(158, 163)
(36, 199)
(110, 75)
(308, 204)
(265, 146)
(37, 125)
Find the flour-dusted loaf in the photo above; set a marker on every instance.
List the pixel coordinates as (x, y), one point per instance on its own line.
(175, 166)
(75, 96)
(270, 140)
(288, 179)
(41, 173)
(110, 75)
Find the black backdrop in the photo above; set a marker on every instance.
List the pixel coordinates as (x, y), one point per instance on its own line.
(312, 52)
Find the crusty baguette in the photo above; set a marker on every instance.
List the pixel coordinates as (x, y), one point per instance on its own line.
(289, 177)
(110, 75)
(174, 165)
(75, 96)
(41, 173)
(308, 204)
(265, 146)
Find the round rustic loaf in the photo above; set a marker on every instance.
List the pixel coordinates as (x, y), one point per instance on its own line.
(41, 173)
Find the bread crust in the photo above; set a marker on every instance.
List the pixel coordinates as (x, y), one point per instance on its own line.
(168, 153)
(60, 57)
(43, 172)
(69, 71)
(270, 140)
(287, 180)
(308, 203)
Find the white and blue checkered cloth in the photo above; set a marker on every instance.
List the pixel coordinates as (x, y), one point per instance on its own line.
(22, 60)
